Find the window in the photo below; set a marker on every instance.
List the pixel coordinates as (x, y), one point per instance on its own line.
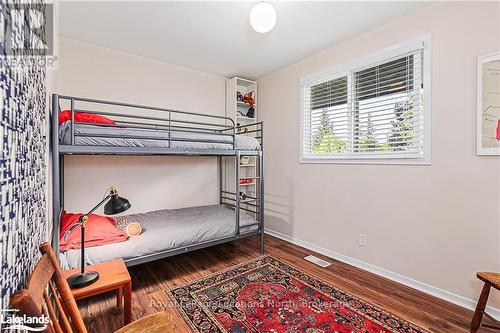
(372, 110)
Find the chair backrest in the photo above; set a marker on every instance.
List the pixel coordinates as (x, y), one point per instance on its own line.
(47, 293)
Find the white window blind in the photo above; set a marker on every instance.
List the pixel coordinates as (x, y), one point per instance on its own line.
(371, 112)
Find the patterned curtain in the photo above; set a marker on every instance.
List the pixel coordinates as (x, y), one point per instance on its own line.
(23, 157)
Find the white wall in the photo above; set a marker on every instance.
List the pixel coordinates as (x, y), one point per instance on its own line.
(436, 224)
(149, 183)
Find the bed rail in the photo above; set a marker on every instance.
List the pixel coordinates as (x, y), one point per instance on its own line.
(167, 125)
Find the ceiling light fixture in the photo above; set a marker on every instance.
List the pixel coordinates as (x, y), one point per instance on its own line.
(263, 17)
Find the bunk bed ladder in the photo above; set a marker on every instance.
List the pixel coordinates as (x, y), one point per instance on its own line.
(259, 199)
(237, 190)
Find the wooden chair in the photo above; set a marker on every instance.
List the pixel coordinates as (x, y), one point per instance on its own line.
(49, 294)
(490, 280)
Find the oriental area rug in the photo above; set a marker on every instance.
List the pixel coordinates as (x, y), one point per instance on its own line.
(269, 295)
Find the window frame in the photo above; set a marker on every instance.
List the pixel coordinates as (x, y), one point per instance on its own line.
(422, 42)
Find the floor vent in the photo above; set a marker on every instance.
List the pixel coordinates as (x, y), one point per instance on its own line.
(317, 261)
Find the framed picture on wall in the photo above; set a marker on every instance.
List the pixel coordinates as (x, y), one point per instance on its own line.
(488, 104)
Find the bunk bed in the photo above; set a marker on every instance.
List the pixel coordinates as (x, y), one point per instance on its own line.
(139, 130)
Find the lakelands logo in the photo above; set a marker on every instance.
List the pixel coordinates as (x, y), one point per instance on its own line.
(10, 321)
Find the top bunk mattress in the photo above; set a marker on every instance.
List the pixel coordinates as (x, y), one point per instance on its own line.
(164, 230)
(88, 135)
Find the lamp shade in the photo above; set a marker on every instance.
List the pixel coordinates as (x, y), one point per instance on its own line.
(116, 205)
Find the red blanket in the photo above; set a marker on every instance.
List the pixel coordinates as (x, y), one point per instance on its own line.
(99, 230)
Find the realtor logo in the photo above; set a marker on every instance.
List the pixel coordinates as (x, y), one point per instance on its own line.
(9, 321)
(26, 29)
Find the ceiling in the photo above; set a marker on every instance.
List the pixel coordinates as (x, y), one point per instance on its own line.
(216, 37)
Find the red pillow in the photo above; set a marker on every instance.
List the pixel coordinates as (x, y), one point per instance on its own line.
(99, 230)
(84, 117)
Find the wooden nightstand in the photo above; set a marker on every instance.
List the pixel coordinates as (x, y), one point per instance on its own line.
(113, 275)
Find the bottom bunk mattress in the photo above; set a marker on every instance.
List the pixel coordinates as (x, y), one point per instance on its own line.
(164, 230)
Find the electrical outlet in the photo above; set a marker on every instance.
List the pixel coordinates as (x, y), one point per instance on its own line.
(363, 240)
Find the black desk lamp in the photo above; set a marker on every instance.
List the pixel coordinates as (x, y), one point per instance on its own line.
(114, 205)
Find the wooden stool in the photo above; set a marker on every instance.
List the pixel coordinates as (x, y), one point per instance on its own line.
(113, 275)
(490, 280)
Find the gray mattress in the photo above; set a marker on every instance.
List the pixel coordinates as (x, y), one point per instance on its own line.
(164, 230)
(243, 142)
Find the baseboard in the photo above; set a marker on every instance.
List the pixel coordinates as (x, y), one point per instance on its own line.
(423, 287)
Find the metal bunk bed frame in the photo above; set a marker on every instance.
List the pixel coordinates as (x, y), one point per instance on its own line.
(189, 124)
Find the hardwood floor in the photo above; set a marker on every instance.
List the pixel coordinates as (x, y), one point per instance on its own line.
(150, 280)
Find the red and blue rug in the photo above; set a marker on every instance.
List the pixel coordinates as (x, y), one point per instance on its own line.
(269, 295)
